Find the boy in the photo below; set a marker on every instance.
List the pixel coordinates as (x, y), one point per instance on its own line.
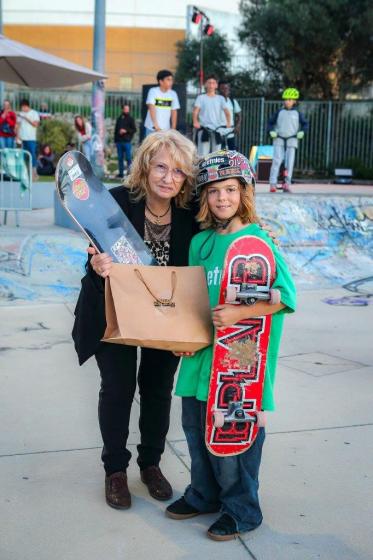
(209, 113)
(287, 123)
(226, 484)
(163, 104)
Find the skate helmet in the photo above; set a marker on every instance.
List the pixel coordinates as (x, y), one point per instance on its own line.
(290, 93)
(224, 164)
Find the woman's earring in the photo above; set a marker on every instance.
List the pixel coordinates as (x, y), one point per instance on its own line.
(182, 191)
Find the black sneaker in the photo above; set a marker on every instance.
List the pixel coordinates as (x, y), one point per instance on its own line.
(224, 529)
(181, 510)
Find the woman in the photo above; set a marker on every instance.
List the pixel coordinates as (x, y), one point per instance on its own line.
(45, 164)
(84, 132)
(8, 121)
(156, 201)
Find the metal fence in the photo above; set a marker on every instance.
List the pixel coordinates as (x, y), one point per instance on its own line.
(340, 132)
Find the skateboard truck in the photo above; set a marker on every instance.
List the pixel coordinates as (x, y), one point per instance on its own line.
(251, 293)
(236, 413)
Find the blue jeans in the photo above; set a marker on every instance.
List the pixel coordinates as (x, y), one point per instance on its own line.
(6, 142)
(31, 146)
(227, 483)
(124, 149)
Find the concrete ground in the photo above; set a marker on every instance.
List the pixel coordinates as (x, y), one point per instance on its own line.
(316, 477)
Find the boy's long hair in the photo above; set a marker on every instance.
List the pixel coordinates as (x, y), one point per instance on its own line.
(246, 210)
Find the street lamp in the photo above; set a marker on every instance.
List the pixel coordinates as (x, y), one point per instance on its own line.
(205, 28)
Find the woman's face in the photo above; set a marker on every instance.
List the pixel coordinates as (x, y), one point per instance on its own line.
(165, 178)
(6, 106)
(223, 198)
(79, 121)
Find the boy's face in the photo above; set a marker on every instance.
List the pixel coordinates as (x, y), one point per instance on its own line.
(289, 103)
(166, 83)
(211, 85)
(224, 197)
(225, 90)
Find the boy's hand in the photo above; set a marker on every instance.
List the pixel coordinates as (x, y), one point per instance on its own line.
(273, 134)
(300, 135)
(183, 354)
(226, 315)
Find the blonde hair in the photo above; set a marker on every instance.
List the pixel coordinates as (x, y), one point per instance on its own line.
(246, 210)
(183, 153)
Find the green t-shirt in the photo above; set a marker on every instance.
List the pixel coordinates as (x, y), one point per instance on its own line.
(194, 375)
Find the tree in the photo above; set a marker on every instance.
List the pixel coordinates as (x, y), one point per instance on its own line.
(322, 47)
(245, 84)
(216, 58)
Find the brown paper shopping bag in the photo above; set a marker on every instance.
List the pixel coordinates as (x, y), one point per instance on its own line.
(158, 307)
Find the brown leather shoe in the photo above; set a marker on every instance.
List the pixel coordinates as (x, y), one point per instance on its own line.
(116, 491)
(159, 488)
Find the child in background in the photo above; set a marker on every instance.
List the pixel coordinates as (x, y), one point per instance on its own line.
(226, 484)
(285, 127)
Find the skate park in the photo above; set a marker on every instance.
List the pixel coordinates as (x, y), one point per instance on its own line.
(315, 479)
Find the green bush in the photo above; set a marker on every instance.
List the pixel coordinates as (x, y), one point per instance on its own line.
(57, 134)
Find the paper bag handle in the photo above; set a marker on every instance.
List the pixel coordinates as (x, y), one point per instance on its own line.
(167, 302)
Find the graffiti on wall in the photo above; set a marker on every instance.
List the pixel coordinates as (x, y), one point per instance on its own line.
(328, 241)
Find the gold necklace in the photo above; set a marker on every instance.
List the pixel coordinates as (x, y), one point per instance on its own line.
(156, 216)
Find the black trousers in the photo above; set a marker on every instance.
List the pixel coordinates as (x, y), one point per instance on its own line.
(118, 364)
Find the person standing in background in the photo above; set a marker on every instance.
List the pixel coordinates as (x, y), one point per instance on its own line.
(27, 125)
(285, 127)
(84, 133)
(210, 112)
(125, 128)
(163, 104)
(8, 120)
(235, 112)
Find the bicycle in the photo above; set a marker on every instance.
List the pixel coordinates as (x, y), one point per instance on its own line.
(214, 137)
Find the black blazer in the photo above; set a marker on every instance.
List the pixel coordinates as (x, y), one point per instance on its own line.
(90, 323)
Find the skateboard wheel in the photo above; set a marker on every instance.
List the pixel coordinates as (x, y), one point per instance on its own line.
(274, 296)
(231, 294)
(218, 419)
(261, 419)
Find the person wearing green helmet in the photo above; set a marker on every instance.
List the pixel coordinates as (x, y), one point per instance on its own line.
(228, 484)
(285, 127)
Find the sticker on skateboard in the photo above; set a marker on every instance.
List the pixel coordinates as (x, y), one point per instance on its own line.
(234, 406)
(97, 213)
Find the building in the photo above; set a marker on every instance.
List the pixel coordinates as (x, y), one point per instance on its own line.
(140, 35)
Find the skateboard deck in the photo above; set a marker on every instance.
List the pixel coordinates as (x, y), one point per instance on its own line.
(234, 405)
(97, 213)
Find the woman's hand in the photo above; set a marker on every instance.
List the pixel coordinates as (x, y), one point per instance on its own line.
(226, 315)
(100, 262)
(183, 354)
(271, 233)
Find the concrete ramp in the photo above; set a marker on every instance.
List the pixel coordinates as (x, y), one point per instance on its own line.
(327, 240)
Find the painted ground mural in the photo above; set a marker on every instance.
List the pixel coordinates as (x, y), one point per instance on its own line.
(43, 267)
(327, 240)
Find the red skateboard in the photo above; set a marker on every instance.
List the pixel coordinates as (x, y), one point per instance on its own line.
(234, 404)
